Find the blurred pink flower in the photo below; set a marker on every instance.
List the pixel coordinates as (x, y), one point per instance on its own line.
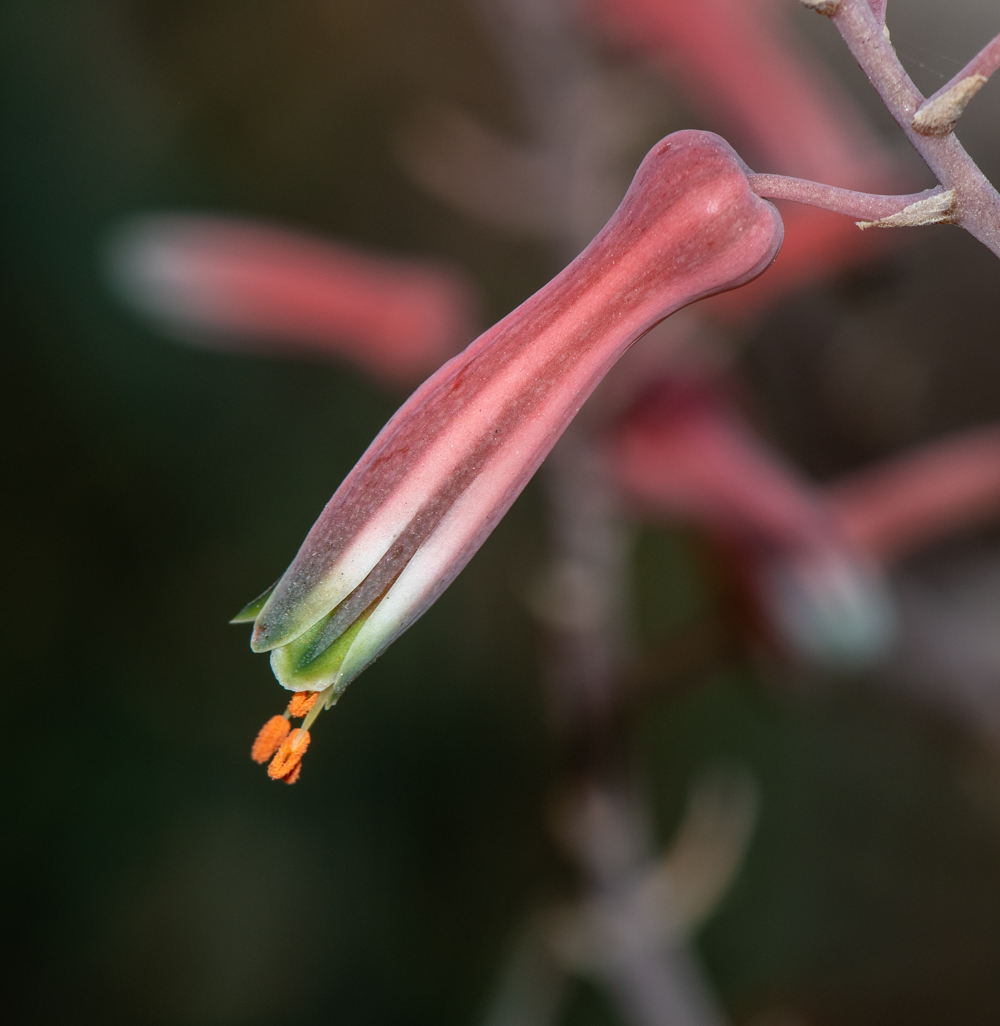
(895, 507)
(683, 452)
(812, 554)
(252, 286)
(732, 61)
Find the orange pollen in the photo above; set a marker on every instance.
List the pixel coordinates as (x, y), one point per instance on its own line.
(289, 754)
(269, 739)
(294, 775)
(301, 703)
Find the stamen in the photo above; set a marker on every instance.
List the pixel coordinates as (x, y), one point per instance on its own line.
(301, 703)
(317, 708)
(269, 740)
(294, 775)
(289, 755)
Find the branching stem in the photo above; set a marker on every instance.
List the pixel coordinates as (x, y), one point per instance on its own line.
(977, 204)
(864, 206)
(984, 63)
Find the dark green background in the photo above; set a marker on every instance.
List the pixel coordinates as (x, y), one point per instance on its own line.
(151, 873)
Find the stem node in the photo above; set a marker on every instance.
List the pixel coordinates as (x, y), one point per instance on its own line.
(938, 209)
(827, 7)
(938, 115)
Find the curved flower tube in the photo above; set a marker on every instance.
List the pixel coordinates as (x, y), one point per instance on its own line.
(447, 466)
(681, 449)
(814, 556)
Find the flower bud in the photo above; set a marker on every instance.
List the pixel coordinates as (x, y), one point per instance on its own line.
(448, 465)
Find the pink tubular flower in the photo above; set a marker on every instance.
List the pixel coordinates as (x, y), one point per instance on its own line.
(446, 467)
(684, 453)
(234, 279)
(812, 554)
(732, 62)
(682, 450)
(897, 506)
(818, 244)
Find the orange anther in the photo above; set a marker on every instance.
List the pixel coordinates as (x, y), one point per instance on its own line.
(269, 739)
(294, 775)
(289, 754)
(301, 703)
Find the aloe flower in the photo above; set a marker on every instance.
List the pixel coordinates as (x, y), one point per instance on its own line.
(734, 63)
(682, 449)
(444, 470)
(893, 508)
(241, 284)
(683, 452)
(813, 557)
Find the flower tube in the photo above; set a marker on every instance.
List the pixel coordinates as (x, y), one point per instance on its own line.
(897, 506)
(447, 466)
(683, 452)
(243, 285)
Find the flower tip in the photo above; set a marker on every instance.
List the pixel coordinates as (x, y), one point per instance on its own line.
(271, 631)
(252, 609)
(267, 635)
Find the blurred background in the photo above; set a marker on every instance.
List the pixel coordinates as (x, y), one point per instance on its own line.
(152, 873)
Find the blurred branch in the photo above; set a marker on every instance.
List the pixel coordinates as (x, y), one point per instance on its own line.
(631, 927)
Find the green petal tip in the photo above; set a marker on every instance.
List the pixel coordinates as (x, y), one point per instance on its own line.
(252, 609)
(294, 668)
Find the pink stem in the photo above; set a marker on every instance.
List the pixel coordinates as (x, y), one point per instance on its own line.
(865, 206)
(984, 63)
(978, 204)
(878, 10)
